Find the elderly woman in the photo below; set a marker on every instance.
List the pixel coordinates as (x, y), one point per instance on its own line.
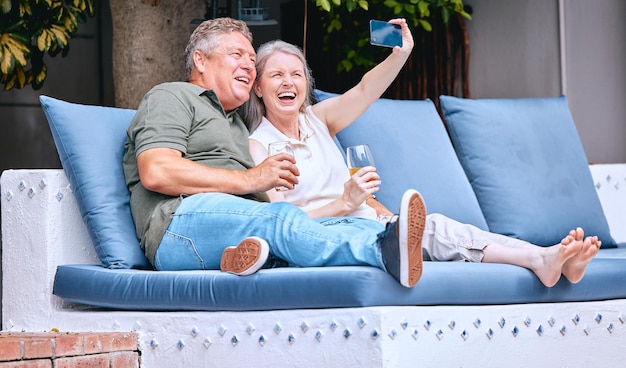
(280, 109)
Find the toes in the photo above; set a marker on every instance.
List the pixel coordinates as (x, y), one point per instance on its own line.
(580, 234)
(567, 240)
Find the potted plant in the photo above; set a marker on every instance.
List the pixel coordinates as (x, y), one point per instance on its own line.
(29, 30)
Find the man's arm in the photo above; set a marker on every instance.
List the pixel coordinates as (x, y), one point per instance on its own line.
(165, 170)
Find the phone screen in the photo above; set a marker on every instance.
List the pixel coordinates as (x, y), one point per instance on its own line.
(385, 34)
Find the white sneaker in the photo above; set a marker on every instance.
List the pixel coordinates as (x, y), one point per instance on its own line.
(401, 245)
(246, 258)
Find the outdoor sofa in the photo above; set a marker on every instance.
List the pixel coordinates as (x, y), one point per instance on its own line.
(72, 262)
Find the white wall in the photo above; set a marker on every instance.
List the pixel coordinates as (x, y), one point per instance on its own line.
(516, 51)
(514, 48)
(596, 75)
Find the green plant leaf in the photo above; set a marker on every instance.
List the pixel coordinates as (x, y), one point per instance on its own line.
(21, 77)
(25, 8)
(44, 40)
(40, 77)
(70, 22)
(335, 25)
(31, 28)
(66, 50)
(323, 4)
(445, 15)
(83, 6)
(464, 14)
(425, 24)
(5, 6)
(7, 62)
(13, 52)
(345, 65)
(424, 9)
(15, 27)
(18, 79)
(61, 36)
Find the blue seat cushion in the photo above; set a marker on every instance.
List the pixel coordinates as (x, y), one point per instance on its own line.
(526, 163)
(412, 149)
(90, 141)
(442, 283)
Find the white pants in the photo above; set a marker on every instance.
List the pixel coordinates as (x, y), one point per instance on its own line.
(446, 239)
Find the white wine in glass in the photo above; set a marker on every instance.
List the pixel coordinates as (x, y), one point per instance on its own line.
(276, 148)
(358, 156)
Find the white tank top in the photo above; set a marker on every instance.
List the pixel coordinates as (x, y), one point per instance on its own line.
(323, 171)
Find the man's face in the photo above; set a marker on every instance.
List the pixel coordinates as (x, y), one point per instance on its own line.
(230, 70)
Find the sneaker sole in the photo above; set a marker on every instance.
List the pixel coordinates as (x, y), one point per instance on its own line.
(246, 258)
(411, 231)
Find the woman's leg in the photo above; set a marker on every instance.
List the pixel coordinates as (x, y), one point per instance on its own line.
(546, 262)
(570, 257)
(447, 239)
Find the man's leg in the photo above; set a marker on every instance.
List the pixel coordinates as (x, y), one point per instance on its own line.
(205, 225)
(209, 223)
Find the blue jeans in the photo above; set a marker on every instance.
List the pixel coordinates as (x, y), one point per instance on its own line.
(205, 224)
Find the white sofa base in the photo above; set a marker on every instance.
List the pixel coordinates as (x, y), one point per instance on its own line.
(41, 228)
(540, 335)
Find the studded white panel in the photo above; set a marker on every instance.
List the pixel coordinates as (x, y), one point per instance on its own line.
(610, 181)
(589, 334)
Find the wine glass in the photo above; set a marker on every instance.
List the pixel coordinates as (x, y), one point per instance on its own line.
(279, 147)
(359, 156)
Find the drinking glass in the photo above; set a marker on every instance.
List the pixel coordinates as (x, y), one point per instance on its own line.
(279, 147)
(359, 156)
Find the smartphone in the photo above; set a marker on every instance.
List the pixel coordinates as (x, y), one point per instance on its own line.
(385, 34)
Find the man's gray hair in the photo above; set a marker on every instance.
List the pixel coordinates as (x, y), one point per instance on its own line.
(205, 37)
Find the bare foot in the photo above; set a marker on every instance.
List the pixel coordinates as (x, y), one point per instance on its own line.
(574, 268)
(553, 259)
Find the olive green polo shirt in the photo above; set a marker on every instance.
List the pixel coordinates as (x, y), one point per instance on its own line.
(190, 119)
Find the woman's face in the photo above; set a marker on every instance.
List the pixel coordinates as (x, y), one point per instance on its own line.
(282, 85)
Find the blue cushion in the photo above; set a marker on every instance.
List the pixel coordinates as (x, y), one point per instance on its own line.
(411, 149)
(90, 141)
(442, 283)
(527, 166)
